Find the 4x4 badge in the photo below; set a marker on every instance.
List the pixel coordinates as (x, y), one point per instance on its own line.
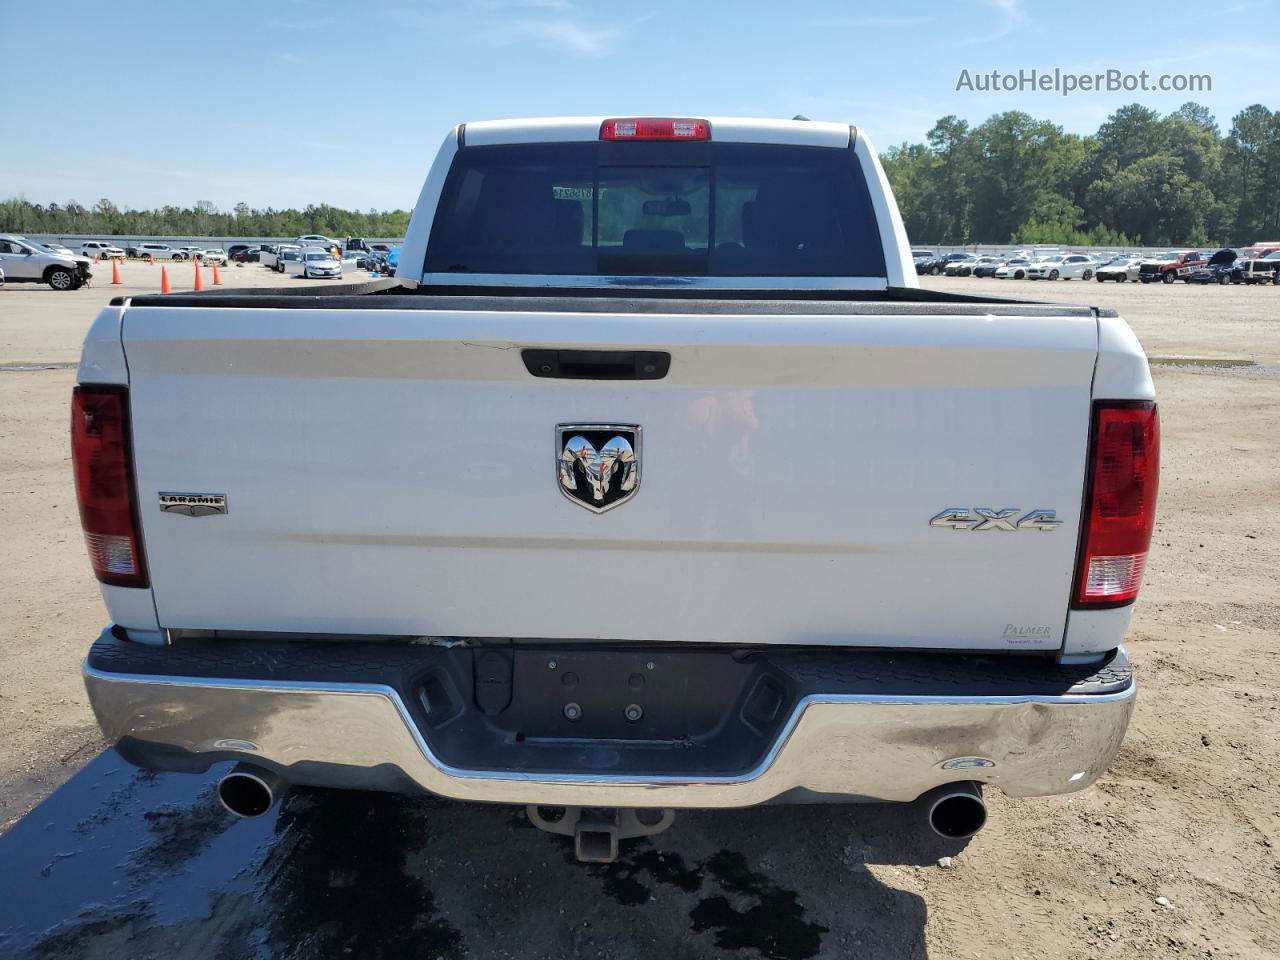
(984, 518)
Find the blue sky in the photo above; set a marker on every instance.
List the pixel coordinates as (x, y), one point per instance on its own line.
(289, 102)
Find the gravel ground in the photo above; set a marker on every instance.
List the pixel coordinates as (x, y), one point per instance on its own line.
(1172, 854)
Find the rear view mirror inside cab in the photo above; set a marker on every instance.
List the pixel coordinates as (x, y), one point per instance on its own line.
(667, 208)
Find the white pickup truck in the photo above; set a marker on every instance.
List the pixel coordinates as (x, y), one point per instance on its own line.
(653, 480)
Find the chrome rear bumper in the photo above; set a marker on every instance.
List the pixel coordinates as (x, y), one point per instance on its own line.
(869, 746)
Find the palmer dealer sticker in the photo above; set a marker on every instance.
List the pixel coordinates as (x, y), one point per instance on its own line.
(194, 504)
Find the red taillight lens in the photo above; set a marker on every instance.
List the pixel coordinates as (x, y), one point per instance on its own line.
(655, 128)
(102, 459)
(1120, 503)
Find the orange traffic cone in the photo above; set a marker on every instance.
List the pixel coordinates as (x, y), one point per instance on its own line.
(164, 280)
(115, 273)
(217, 280)
(199, 282)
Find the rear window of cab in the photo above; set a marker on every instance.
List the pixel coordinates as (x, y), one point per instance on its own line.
(664, 209)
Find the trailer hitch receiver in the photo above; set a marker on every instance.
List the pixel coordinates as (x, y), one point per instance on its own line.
(596, 831)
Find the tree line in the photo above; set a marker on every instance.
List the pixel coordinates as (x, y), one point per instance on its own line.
(104, 218)
(1141, 179)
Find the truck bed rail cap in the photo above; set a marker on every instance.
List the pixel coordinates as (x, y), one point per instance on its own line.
(485, 133)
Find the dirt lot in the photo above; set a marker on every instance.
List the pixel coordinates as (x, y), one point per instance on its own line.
(47, 592)
(1172, 854)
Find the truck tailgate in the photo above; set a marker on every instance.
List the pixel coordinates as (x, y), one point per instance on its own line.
(394, 472)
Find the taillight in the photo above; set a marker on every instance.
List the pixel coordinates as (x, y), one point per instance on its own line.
(103, 462)
(1120, 503)
(655, 128)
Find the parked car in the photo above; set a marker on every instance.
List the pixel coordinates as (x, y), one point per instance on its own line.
(1015, 269)
(26, 261)
(950, 258)
(275, 257)
(1223, 267)
(1072, 266)
(248, 255)
(314, 263)
(317, 240)
(356, 244)
(961, 268)
(214, 255)
(380, 247)
(156, 251)
(1170, 266)
(938, 265)
(987, 266)
(285, 256)
(58, 248)
(321, 617)
(1260, 250)
(99, 249)
(1264, 270)
(1120, 269)
(190, 252)
(236, 248)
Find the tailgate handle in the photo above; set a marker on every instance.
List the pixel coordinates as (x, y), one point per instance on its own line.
(597, 364)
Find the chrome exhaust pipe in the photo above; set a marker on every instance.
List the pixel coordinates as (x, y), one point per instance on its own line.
(249, 791)
(956, 811)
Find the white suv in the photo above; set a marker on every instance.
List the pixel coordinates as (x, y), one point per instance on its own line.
(1072, 266)
(285, 256)
(269, 254)
(100, 248)
(157, 251)
(25, 261)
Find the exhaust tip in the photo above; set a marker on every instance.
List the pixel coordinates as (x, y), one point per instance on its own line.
(958, 813)
(247, 792)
